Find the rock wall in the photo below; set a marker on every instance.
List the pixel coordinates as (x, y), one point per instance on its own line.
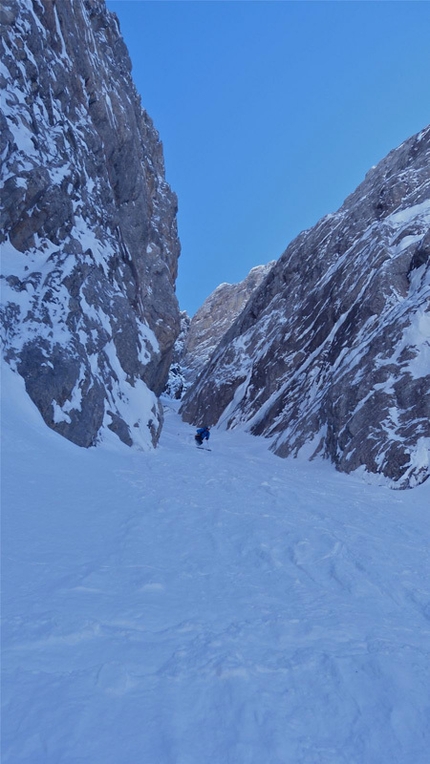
(331, 355)
(88, 225)
(176, 382)
(214, 318)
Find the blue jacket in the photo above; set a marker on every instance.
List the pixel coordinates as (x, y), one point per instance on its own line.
(203, 432)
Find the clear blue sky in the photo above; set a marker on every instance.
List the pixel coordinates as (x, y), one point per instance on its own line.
(270, 114)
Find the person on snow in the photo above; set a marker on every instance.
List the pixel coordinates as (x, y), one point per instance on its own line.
(202, 434)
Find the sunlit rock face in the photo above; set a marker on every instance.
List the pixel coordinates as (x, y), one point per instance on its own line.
(88, 225)
(331, 355)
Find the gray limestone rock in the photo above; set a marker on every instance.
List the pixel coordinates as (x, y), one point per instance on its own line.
(88, 225)
(200, 335)
(331, 354)
(176, 382)
(214, 318)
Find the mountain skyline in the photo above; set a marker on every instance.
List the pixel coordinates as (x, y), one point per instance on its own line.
(270, 115)
(162, 603)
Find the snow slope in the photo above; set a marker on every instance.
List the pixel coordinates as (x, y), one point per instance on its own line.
(185, 607)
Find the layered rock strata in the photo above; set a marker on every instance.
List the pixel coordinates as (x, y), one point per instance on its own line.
(331, 355)
(88, 225)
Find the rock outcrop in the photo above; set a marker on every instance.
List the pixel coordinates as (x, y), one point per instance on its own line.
(215, 317)
(88, 225)
(177, 383)
(331, 355)
(200, 335)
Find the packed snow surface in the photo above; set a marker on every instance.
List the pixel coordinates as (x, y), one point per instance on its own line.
(196, 607)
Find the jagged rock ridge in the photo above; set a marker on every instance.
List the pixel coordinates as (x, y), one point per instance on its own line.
(331, 354)
(88, 228)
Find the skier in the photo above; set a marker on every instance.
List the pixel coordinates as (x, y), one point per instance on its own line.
(202, 434)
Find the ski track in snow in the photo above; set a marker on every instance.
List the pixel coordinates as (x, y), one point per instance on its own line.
(228, 607)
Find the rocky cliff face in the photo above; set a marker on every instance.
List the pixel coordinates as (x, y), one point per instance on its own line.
(176, 382)
(331, 355)
(199, 336)
(215, 317)
(88, 228)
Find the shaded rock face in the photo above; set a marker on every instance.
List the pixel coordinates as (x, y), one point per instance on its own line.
(331, 355)
(176, 382)
(215, 317)
(88, 225)
(200, 335)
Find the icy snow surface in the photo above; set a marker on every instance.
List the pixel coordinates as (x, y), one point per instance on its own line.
(223, 607)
